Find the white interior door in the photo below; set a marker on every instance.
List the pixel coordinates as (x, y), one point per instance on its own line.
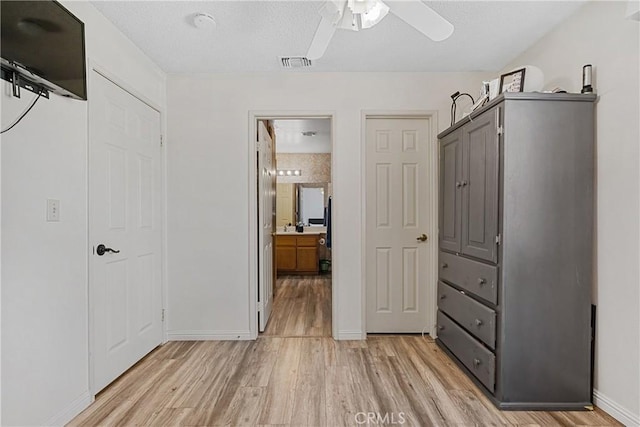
(124, 215)
(266, 197)
(397, 221)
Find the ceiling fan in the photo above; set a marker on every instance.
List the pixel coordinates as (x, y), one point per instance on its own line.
(361, 14)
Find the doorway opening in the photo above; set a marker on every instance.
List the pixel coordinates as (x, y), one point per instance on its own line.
(294, 238)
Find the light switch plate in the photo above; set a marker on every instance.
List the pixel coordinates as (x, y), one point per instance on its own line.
(53, 210)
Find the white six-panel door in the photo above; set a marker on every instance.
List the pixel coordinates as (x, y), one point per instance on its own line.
(397, 223)
(124, 215)
(266, 198)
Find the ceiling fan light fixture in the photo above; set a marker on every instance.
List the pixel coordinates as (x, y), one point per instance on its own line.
(361, 6)
(374, 15)
(362, 14)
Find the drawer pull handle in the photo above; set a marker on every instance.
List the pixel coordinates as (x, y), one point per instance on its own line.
(445, 265)
(482, 281)
(479, 322)
(476, 362)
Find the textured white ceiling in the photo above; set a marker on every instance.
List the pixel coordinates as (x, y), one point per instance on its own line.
(289, 138)
(250, 35)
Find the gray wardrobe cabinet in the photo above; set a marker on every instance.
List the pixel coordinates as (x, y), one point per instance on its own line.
(469, 188)
(516, 249)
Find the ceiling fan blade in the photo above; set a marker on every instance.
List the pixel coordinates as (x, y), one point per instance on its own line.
(422, 18)
(321, 39)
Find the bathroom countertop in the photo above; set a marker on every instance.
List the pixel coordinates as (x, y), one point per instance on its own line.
(307, 230)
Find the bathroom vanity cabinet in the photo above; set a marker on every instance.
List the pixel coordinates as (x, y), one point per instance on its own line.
(297, 254)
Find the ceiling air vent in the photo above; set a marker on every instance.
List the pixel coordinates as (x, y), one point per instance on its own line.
(295, 62)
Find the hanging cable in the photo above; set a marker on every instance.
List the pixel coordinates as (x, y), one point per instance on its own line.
(33, 103)
(454, 106)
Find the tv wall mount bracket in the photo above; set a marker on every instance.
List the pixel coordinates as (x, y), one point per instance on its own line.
(18, 81)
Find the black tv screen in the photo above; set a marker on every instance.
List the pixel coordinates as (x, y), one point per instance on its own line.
(45, 43)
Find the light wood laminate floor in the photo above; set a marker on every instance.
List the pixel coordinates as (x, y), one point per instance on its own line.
(301, 307)
(306, 381)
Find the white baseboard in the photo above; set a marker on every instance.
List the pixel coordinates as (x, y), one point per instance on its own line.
(616, 410)
(72, 410)
(209, 335)
(351, 335)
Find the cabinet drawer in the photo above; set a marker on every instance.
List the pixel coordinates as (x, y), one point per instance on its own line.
(480, 361)
(476, 318)
(285, 240)
(307, 240)
(473, 276)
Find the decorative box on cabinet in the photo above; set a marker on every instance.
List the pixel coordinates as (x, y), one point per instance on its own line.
(516, 249)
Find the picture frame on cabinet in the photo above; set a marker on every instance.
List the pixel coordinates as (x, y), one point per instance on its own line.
(512, 81)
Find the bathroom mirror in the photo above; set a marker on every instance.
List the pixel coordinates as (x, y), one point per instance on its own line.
(311, 203)
(301, 202)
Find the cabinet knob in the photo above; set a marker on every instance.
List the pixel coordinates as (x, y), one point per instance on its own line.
(482, 281)
(441, 328)
(458, 184)
(443, 296)
(479, 322)
(476, 362)
(464, 183)
(445, 265)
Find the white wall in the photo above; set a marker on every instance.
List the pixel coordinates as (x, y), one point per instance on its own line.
(599, 34)
(44, 265)
(208, 184)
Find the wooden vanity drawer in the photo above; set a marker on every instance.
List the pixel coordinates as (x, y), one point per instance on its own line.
(476, 318)
(311, 240)
(471, 353)
(478, 278)
(285, 240)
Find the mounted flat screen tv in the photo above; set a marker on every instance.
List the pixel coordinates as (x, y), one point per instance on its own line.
(44, 43)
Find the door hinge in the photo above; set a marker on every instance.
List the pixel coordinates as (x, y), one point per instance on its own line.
(500, 130)
(499, 239)
(161, 141)
(162, 317)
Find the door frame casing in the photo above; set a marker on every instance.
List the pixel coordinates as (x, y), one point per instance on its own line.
(432, 160)
(106, 73)
(254, 116)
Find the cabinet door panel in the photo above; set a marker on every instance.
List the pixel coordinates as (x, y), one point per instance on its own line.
(286, 258)
(307, 259)
(450, 192)
(480, 188)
